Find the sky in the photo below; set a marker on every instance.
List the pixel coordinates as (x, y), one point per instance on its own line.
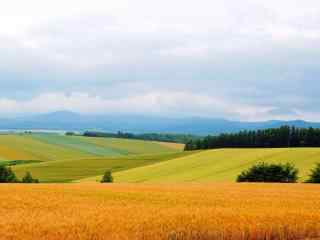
(246, 60)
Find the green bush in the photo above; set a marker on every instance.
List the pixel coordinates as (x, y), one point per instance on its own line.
(29, 179)
(7, 175)
(107, 177)
(264, 172)
(314, 177)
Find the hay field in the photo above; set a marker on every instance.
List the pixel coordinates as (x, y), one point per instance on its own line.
(137, 211)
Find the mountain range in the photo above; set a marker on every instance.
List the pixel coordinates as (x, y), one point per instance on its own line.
(70, 121)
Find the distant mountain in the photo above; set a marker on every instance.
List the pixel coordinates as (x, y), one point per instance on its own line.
(65, 120)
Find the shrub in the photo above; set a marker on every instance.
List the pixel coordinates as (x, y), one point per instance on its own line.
(7, 175)
(29, 179)
(107, 177)
(70, 134)
(264, 172)
(314, 177)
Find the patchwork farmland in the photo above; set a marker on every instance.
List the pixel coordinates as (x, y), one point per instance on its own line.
(160, 191)
(58, 158)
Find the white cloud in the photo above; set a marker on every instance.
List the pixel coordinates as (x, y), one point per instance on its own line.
(80, 33)
(154, 103)
(207, 52)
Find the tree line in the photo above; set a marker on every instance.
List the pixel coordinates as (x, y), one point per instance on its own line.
(162, 137)
(8, 176)
(284, 136)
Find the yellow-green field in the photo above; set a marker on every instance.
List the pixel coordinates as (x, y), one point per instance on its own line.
(136, 211)
(222, 165)
(57, 158)
(75, 169)
(25, 147)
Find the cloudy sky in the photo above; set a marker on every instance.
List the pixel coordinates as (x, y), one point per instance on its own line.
(248, 60)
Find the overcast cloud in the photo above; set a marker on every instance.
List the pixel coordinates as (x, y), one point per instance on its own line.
(248, 60)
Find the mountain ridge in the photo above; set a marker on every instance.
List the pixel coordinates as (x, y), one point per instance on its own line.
(67, 120)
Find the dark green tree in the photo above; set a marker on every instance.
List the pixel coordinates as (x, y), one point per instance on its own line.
(107, 177)
(70, 133)
(29, 179)
(264, 172)
(314, 177)
(7, 175)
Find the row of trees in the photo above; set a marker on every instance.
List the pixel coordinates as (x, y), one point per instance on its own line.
(8, 176)
(163, 137)
(284, 136)
(283, 173)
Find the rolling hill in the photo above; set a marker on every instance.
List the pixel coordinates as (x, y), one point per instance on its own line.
(46, 147)
(29, 147)
(76, 169)
(221, 165)
(59, 158)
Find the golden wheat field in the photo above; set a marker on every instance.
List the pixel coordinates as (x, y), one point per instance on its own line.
(129, 211)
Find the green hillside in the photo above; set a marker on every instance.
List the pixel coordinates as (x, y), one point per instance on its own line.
(58, 158)
(76, 169)
(27, 147)
(219, 165)
(48, 147)
(132, 147)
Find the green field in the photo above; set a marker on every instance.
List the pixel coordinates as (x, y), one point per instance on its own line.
(28, 147)
(219, 165)
(47, 147)
(104, 146)
(58, 158)
(76, 169)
